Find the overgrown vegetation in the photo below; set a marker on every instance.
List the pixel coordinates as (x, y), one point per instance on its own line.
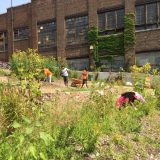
(33, 131)
(129, 31)
(68, 129)
(30, 64)
(111, 44)
(105, 47)
(31, 128)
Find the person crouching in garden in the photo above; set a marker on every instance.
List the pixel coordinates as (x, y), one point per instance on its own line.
(84, 77)
(48, 75)
(129, 98)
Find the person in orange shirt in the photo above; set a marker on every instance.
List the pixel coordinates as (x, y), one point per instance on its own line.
(48, 75)
(84, 77)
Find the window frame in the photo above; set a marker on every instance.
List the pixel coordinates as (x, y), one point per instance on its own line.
(116, 28)
(151, 52)
(80, 26)
(50, 31)
(19, 36)
(146, 25)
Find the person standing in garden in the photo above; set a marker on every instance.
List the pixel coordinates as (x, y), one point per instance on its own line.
(64, 74)
(84, 77)
(48, 75)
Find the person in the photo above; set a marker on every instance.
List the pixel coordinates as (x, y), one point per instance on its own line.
(128, 98)
(48, 75)
(84, 77)
(64, 74)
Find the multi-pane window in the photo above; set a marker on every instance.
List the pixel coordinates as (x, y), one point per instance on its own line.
(76, 30)
(111, 20)
(46, 35)
(147, 16)
(115, 64)
(78, 64)
(140, 16)
(21, 33)
(3, 42)
(148, 57)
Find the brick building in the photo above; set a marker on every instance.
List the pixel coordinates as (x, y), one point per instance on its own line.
(59, 27)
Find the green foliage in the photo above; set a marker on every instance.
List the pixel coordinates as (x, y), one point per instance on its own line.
(2, 72)
(112, 44)
(139, 75)
(26, 64)
(74, 74)
(45, 131)
(14, 105)
(129, 31)
(30, 64)
(92, 36)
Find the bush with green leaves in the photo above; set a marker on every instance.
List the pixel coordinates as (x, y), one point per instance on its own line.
(30, 64)
(139, 75)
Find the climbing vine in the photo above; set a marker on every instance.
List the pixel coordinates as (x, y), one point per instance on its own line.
(112, 44)
(92, 37)
(115, 44)
(129, 31)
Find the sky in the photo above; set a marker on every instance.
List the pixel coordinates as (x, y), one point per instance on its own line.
(4, 4)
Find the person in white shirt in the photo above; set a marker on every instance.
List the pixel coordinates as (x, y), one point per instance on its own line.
(64, 73)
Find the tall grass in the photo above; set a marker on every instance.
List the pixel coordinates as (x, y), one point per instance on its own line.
(49, 131)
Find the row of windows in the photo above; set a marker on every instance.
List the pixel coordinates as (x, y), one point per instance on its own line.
(147, 16)
(76, 29)
(118, 61)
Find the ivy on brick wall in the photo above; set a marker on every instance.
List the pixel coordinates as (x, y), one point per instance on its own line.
(114, 44)
(129, 31)
(92, 36)
(111, 44)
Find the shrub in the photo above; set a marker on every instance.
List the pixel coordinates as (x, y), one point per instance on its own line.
(14, 105)
(30, 64)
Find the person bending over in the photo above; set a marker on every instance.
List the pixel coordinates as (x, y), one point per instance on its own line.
(129, 98)
(48, 75)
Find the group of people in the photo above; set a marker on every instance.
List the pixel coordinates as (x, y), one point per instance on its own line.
(123, 99)
(64, 74)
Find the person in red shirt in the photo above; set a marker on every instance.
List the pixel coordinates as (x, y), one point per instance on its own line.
(129, 98)
(48, 75)
(84, 77)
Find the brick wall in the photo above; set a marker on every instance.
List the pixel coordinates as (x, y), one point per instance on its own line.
(148, 40)
(42, 10)
(3, 22)
(73, 7)
(45, 9)
(107, 4)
